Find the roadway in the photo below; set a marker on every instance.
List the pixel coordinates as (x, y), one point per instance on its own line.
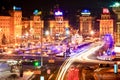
(86, 54)
(5, 57)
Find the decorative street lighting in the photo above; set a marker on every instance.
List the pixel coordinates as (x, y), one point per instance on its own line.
(92, 33)
(47, 33)
(67, 32)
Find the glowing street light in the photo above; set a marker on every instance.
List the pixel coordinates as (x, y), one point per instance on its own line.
(67, 32)
(92, 33)
(47, 33)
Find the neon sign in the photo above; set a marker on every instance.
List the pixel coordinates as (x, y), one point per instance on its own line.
(105, 10)
(35, 12)
(16, 8)
(116, 4)
(58, 13)
(85, 12)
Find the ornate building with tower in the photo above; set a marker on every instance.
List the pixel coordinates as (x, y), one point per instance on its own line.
(58, 27)
(86, 23)
(106, 23)
(32, 28)
(16, 25)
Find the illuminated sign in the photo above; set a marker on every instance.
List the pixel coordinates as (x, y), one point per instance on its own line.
(105, 10)
(116, 4)
(85, 12)
(35, 12)
(58, 13)
(16, 8)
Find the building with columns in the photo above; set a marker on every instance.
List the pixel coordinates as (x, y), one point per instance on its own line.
(116, 10)
(59, 26)
(86, 23)
(106, 23)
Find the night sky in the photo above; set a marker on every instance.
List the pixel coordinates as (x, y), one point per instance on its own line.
(69, 7)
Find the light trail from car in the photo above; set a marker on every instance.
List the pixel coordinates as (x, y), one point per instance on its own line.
(63, 69)
(81, 56)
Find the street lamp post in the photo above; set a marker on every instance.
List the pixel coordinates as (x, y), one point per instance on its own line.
(41, 48)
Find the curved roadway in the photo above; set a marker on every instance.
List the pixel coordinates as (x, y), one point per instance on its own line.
(85, 54)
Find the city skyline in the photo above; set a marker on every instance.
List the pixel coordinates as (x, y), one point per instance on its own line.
(59, 40)
(71, 11)
(74, 6)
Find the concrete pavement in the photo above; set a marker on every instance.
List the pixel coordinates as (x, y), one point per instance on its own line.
(27, 75)
(7, 75)
(4, 74)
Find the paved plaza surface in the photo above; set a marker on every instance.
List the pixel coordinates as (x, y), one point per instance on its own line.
(7, 75)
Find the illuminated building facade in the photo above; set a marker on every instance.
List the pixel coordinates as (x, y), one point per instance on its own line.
(16, 27)
(10, 26)
(5, 22)
(59, 26)
(116, 9)
(32, 28)
(106, 23)
(86, 23)
(13, 27)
